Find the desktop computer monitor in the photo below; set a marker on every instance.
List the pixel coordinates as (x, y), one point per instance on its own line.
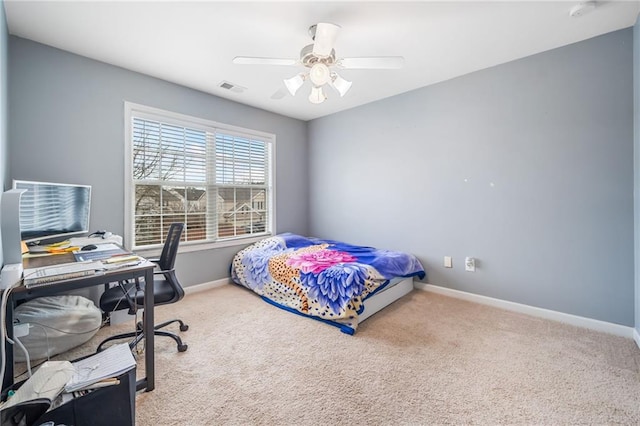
(50, 211)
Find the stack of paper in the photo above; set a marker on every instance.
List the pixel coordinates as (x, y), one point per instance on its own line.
(112, 362)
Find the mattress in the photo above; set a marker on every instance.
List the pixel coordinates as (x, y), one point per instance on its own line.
(324, 279)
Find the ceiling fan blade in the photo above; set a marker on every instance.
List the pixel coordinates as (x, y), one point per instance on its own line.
(324, 38)
(279, 94)
(381, 62)
(249, 60)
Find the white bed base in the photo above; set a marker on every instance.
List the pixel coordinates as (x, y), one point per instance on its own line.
(394, 291)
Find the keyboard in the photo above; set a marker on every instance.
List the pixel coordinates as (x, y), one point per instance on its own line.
(65, 271)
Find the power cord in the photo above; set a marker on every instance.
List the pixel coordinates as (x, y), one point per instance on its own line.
(26, 354)
(135, 304)
(64, 331)
(46, 336)
(19, 375)
(135, 309)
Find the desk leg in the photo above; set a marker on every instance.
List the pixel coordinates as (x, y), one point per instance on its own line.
(7, 380)
(148, 330)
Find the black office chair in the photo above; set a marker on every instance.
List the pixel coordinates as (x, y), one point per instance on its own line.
(167, 289)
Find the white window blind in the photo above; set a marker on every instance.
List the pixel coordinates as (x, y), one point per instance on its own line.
(215, 180)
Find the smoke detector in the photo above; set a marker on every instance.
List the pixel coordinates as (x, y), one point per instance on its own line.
(582, 9)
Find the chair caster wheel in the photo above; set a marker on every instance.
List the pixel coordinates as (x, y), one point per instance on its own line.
(184, 327)
(182, 348)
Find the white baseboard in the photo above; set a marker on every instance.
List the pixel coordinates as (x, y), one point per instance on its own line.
(206, 286)
(593, 324)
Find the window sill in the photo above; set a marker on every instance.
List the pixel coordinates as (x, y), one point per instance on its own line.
(196, 246)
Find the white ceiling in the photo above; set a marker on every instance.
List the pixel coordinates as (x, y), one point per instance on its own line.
(193, 43)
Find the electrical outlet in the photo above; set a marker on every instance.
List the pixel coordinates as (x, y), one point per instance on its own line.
(470, 264)
(20, 330)
(447, 262)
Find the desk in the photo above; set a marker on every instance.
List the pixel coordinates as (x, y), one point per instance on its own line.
(21, 293)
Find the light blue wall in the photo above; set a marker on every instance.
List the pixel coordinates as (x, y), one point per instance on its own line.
(552, 133)
(67, 125)
(526, 166)
(4, 111)
(636, 156)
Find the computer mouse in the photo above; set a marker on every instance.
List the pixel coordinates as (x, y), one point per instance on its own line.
(89, 247)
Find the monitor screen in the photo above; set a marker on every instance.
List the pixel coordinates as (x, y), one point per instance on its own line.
(50, 210)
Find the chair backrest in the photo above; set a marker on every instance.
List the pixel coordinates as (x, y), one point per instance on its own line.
(170, 250)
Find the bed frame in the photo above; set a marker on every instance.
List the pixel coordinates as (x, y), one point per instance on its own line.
(394, 291)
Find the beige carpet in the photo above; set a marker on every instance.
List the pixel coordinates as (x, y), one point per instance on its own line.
(426, 359)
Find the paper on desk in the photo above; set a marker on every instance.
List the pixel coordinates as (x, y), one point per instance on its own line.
(111, 362)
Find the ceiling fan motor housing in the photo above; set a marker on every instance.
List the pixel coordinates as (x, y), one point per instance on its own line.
(309, 59)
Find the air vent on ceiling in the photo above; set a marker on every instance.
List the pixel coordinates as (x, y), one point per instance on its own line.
(232, 87)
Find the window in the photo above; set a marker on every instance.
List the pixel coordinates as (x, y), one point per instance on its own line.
(216, 179)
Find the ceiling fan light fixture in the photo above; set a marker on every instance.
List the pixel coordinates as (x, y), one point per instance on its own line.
(340, 84)
(294, 83)
(319, 74)
(317, 95)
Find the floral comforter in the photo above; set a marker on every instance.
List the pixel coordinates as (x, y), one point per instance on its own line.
(327, 280)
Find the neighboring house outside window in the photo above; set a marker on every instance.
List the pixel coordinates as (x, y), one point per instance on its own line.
(217, 179)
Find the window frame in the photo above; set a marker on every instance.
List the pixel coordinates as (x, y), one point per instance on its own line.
(133, 110)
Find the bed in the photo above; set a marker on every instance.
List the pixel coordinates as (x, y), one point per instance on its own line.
(331, 281)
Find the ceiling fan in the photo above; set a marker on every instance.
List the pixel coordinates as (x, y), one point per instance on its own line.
(320, 59)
